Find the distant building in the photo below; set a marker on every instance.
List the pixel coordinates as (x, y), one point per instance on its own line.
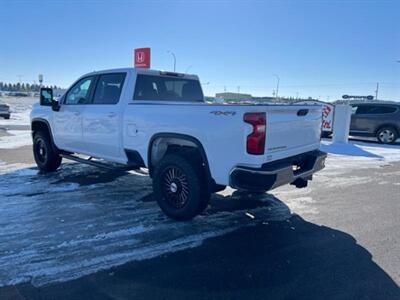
(264, 99)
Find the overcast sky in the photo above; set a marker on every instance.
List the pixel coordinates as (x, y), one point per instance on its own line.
(318, 48)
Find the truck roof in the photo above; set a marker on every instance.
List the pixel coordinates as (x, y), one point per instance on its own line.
(389, 103)
(144, 71)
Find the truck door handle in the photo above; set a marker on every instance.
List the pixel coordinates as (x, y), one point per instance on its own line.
(302, 112)
(77, 114)
(112, 115)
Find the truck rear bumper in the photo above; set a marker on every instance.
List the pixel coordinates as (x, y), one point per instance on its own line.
(277, 173)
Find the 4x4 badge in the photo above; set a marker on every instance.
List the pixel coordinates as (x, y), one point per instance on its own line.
(223, 113)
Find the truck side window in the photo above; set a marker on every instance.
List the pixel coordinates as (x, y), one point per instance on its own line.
(79, 93)
(164, 88)
(108, 88)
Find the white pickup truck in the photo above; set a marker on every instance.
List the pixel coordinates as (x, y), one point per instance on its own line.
(139, 118)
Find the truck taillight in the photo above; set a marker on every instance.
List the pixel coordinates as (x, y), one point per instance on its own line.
(256, 140)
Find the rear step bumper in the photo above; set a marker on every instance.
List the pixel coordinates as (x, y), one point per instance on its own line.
(295, 169)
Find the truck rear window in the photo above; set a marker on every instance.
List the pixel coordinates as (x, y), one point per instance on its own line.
(151, 87)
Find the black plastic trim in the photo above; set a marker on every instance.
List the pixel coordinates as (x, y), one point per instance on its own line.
(302, 112)
(134, 158)
(247, 178)
(210, 180)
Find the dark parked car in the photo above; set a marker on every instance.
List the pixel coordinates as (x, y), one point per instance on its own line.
(4, 111)
(380, 120)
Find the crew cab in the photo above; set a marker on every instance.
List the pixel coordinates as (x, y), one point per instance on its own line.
(141, 118)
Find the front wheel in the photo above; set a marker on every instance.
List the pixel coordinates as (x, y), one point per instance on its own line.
(386, 135)
(45, 156)
(179, 187)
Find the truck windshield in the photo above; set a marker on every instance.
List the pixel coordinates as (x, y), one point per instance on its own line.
(164, 88)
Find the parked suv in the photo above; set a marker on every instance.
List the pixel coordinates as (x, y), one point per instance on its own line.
(380, 120)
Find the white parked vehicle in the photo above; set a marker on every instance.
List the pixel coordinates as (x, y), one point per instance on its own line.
(159, 121)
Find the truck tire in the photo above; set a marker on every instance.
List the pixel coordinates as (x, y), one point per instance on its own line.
(45, 156)
(326, 134)
(179, 187)
(387, 135)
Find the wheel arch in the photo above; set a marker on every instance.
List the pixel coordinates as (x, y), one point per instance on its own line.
(392, 125)
(39, 124)
(160, 143)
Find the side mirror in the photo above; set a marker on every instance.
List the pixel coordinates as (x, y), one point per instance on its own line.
(46, 97)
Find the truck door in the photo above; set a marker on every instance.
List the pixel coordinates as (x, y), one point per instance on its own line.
(67, 122)
(102, 121)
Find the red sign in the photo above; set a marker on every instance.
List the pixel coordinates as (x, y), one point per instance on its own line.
(142, 58)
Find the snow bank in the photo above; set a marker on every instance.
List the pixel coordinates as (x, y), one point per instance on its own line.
(343, 158)
(377, 152)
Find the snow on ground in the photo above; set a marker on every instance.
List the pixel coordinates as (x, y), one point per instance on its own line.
(342, 159)
(20, 109)
(358, 155)
(78, 220)
(15, 139)
(60, 226)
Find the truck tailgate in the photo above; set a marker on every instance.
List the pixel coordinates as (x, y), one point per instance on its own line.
(292, 130)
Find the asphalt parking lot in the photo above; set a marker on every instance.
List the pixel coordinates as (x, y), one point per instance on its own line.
(83, 233)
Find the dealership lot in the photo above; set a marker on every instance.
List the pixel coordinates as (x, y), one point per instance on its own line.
(86, 227)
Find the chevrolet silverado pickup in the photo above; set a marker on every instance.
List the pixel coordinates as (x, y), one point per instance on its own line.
(141, 118)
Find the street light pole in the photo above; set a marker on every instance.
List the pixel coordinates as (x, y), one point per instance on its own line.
(173, 55)
(277, 86)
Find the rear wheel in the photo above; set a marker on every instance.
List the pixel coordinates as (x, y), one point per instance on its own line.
(387, 135)
(179, 187)
(45, 156)
(326, 134)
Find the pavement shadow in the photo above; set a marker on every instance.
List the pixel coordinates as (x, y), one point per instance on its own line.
(295, 260)
(347, 149)
(292, 259)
